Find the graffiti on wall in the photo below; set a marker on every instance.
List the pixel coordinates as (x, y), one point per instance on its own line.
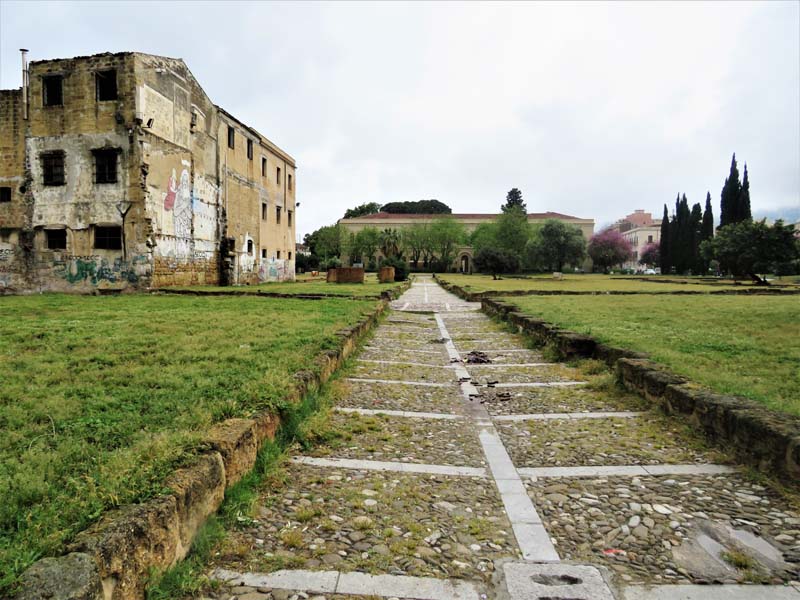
(275, 270)
(96, 269)
(178, 201)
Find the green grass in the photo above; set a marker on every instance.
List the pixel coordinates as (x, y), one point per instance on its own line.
(740, 345)
(587, 283)
(370, 287)
(102, 397)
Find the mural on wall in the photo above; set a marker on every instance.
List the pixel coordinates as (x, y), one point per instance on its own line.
(178, 200)
(275, 270)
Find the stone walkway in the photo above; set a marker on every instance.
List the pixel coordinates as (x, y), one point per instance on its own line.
(462, 464)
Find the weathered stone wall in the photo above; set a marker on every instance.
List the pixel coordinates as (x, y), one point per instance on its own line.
(346, 275)
(13, 214)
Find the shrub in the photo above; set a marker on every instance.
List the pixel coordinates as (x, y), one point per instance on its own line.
(495, 262)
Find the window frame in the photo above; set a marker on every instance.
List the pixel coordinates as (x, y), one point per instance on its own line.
(263, 166)
(5, 194)
(278, 175)
(105, 75)
(264, 211)
(231, 137)
(277, 215)
(47, 167)
(289, 181)
(51, 232)
(108, 240)
(249, 149)
(105, 153)
(288, 218)
(46, 91)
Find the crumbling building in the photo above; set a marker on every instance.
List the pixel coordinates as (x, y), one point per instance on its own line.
(118, 172)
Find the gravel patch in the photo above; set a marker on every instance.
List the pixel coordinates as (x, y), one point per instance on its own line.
(377, 523)
(648, 440)
(632, 525)
(404, 372)
(402, 439)
(403, 397)
(558, 400)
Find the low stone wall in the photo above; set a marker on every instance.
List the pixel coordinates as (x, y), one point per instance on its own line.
(112, 559)
(758, 436)
(389, 294)
(346, 275)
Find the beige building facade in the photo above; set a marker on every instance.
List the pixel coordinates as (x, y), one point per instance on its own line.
(118, 172)
(464, 256)
(639, 229)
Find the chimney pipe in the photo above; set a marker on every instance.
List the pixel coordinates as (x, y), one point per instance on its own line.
(25, 82)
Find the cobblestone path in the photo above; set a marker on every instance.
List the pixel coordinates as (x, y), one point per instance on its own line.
(465, 465)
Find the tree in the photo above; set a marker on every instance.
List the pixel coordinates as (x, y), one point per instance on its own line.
(447, 234)
(484, 236)
(665, 250)
(696, 231)
(513, 231)
(365, 244)
(416, 241)
(369, 208)
(494, 261)
(513, 201)
(325, 242)
(753, 247)
(390, 242)
(420, 207)
(729, 198)
(650, 255)
(609, 248)
(706, 232)
(743, 212)
(556, 244)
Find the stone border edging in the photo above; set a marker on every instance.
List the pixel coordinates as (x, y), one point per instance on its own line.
(479, 296)
(759, 436)
(112, 559)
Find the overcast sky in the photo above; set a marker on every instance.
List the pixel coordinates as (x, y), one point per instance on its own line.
(590, 109)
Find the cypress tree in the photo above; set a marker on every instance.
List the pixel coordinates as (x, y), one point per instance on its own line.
(696, 231)
(743, 212)
(683, 235)
(664, 245)
(729, 199)
(706, 229)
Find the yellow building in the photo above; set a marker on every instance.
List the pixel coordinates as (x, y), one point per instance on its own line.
(117, 171)
(464, 256)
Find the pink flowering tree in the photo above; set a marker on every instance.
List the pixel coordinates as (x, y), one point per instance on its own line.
(651, 255)
(609, 248)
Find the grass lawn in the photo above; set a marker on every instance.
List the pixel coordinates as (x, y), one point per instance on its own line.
(370, 287)
(741, 345)
(102, 397)
(583, 283)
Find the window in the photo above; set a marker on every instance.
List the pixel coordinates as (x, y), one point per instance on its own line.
(5, 194)
(263, 253)
(53, 90)
(250, 247)
(108, 238)
(263, 211)
(250, 149)
(290, 181)
(649, 239)
(5, 236)
(263, 166)
(106, 85)
(278, 215)
(289, 218)
(105, 166)
(278, 174)
(53, 168)
(56, 239)
(290, 256)
(231, 137)
(277, 254)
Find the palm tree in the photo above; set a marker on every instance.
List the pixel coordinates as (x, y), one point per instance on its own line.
(390, 242)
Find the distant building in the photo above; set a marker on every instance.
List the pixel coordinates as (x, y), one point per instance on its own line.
(640, 229)
(117, 171)
(464, 256)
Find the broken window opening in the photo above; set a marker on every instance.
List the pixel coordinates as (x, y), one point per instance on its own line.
(53, 168)
(231, 137)
(108, 238)
(5, 194)
(56, 239)
(278, 174)
(278, 254)
(263, 253)
(263, 167)
(290, 256)
(53, 90)
(105, 165)
(106, 85)
(250, 149)
(5, 236)
(250, 247)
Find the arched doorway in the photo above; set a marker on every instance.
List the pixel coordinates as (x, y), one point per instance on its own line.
(465, 267)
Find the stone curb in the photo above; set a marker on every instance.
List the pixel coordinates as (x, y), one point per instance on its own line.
(479, 296)
(763, 438)
(112, 559)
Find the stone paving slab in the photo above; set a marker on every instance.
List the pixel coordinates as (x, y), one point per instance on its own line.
(400, 413)
(436, 354)
(387, 465)
(387, 438)
(393, 523)
(710, 592)
(545, 372)
(652, 439)
(557, 400)
(403, 372)
(555, 582)
(586, 415)
(625, 470)
(642, 527)
(402, 397)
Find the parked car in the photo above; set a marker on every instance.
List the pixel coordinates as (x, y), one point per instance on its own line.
(650, 272)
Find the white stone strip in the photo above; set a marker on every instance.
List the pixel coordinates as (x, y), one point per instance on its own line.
(357, 584)
(426, 294)
(710, 592)
(452, 352)
(586, 415)
(538, 384)
(414, 350)
(531, 535)
(503, 365)
(405, 306)
(398, 467)
(625, 470)
(398, 413)
(447, 306)
(399, 382)
(400, 362)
